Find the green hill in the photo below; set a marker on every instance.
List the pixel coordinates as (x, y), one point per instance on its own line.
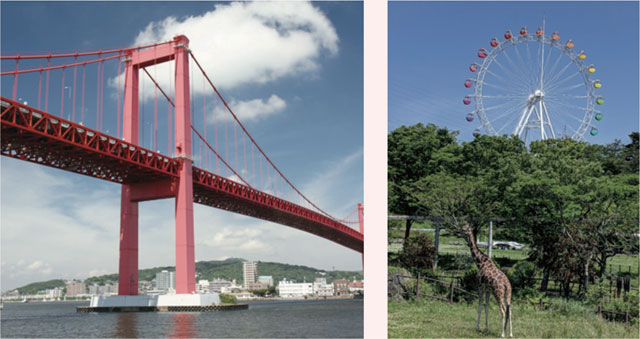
(227, 269)
(33, 288)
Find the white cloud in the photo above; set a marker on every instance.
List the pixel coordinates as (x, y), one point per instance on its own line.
(255, 109)
(248, 42)
(35, 265)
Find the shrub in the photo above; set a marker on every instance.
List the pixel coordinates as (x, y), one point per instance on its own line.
(598, 292)
(470, 280)
(228, 299)
(418, 253)
(521, 276)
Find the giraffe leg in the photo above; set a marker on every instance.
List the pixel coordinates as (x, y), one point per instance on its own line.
(486, 309)
(503, 312)
(509, 315)
(480, 295)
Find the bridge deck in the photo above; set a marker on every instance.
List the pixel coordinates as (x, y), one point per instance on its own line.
(36, 136)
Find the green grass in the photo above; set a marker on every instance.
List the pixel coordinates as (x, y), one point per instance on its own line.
(433, 319)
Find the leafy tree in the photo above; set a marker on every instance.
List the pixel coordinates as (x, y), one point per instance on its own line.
(413, 154)
(228, 299)
(259, 292)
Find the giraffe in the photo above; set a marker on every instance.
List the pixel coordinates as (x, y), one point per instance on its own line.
(490, 279)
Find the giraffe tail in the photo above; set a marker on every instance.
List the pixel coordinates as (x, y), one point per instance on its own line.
(508, 317)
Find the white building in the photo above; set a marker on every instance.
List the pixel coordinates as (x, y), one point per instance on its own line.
(289, 289)
(217, 284)
(166, 280)
(266, 279)
(321, 288)
(249, 273)
(106, 289)
(203, 286)
(53, 293)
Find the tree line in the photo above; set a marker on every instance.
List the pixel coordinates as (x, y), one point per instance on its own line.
(575, 204)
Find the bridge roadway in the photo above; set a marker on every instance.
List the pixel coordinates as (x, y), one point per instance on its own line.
(36, 136)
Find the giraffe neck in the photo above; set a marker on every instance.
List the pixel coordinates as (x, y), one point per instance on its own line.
(479, 257)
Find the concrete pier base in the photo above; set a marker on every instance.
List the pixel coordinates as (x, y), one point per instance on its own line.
(159, 303)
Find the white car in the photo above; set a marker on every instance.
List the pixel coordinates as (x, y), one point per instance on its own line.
(503, 245)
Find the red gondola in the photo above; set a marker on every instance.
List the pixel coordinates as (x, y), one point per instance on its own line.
(494, 42)
(539, 32)
(482, 53)
(473, 68)
(508, 35)
(523, 31)
(555, 36)
(466, 100)
(468, 83)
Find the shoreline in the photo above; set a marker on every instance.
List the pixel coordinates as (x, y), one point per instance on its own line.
(343, 297)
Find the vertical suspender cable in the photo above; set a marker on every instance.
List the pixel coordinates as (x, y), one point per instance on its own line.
(39, 89)
(119, 92)
(261, 186)
(235, 143)
(215, 129)
(46, 93)
(155, 104)
(101, 94)
(84, 68)
(204, 119)
(98, 98)
(226, 142)
(73, 105)
(62, 96)
(15, 78)
(141, 141)
(253, 167)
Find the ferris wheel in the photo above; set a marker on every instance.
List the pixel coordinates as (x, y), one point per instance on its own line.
(534, 86)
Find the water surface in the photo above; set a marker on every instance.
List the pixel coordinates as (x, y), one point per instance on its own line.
(314, 318)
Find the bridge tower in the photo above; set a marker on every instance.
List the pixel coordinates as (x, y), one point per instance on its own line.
(181, 189)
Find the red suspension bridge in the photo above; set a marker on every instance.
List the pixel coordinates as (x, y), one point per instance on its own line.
(225, 169)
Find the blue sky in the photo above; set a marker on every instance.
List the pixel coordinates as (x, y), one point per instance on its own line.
(313, 131)
(432, 44)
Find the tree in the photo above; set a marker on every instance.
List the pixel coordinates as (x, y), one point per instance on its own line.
(411, 153)
(541, 203)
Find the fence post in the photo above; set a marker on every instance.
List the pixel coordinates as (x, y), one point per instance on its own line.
(626, 317)
(418, 286)
(541, 304)
(599, 310)
(451, 292)
(437, 244)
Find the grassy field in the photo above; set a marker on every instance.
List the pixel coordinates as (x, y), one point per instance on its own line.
(454, 245)
(434, 319)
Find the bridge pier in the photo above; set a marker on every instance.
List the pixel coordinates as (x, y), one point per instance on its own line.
(128, 265)
(185, 252)
(131, 194)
